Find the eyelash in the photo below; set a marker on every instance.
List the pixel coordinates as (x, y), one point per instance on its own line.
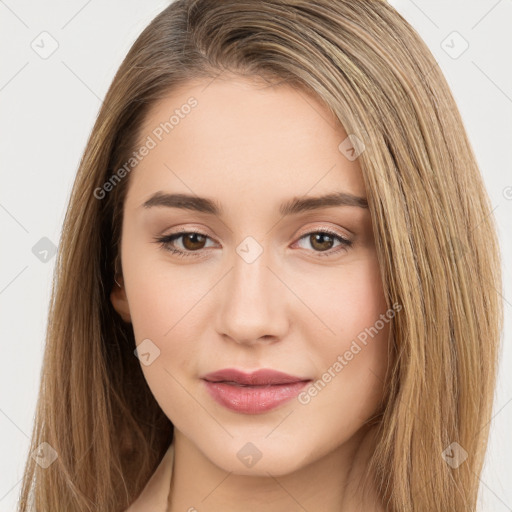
(165, 241)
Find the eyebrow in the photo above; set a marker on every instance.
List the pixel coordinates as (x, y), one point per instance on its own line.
(294, 206)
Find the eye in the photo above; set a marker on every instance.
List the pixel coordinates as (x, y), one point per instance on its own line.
(322, 242)
(192, 242)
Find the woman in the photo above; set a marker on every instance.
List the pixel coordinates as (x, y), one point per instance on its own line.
(272, 288)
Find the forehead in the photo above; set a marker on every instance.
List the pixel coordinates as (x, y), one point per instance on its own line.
(218, 136)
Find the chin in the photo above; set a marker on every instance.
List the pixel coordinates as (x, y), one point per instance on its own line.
(259, 457)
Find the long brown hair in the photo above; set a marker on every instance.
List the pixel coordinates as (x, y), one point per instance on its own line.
(429, 210)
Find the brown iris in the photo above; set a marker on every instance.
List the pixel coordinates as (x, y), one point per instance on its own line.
(193, 241)
(321, 241)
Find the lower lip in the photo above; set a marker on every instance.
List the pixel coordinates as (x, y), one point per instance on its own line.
(253, 399)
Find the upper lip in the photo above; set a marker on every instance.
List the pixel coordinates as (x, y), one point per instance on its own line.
(257, 378)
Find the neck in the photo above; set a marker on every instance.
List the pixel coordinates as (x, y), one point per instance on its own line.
(333, 483)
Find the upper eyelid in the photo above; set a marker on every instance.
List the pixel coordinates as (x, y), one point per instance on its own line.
(322, 229)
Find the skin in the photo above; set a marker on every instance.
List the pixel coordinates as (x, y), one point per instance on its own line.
(251, 147)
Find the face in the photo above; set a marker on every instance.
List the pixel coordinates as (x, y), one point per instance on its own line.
(249, 273)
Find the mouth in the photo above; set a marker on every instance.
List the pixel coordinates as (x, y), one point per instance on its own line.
(253, 393)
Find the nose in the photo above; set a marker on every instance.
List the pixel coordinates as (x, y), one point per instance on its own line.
(252, 303)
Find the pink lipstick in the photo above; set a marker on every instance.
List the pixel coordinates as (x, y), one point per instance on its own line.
(252, 393)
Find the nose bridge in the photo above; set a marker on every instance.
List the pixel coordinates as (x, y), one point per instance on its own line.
(252, 299)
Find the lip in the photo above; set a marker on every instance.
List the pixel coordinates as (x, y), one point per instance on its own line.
(253, 393)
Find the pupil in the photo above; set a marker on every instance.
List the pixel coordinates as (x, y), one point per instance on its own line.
(190, 241)
(322, 245)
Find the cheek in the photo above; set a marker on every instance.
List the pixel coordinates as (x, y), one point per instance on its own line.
(160, 297)
(170, 319)
(352, 356)
(166, 308)
(347, 300)
(160, 316)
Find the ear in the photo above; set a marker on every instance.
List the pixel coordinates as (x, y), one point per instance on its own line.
(119, 300)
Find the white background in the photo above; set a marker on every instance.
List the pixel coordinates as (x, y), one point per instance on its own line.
(49, 107)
